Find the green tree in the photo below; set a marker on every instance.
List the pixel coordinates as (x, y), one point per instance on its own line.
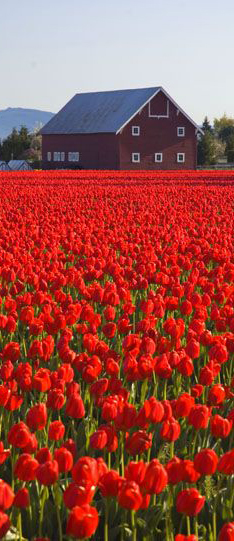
(15, 144)
(206, 149)
(206, 126)
(223, 127)
(230, 148)
(224, 130)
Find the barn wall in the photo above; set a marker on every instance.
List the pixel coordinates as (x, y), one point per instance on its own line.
(97, 151)
(158, 135)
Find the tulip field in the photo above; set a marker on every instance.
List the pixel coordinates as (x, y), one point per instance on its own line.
(117, 356)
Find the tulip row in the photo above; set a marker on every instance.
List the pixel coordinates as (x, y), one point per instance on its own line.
(116, 356)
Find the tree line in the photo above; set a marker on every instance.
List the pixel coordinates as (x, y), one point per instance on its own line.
(217, 141)
(21, 145)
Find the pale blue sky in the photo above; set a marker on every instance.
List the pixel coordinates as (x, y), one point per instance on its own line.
(51, 49)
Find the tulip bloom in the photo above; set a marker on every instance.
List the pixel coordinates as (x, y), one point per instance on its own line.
(227, 532)
(78, 494)
(75, 407)
(26, 467)
(129, 495)
(37, 417)
(85, 469)
(64, 459)
(56, 431)
(47, 473)
(199, 416)
(190, 502)
(205, 462)
(155, 478)
(82, 521)
(22, 499)
(6, 495)
(4, 524)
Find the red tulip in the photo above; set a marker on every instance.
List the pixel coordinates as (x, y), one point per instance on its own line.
(129, 495)
(82, 521)
(227, 532)
(190, 502)
(205, 462)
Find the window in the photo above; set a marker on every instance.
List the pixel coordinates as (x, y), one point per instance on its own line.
(135, 130)
(158, 157)
(136, 157)
(181, 132)
(62, 156)
(73, 156)
(56, 156)
(49, 156)
(180, 157)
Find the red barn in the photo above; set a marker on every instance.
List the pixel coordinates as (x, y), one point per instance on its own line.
(122, 129)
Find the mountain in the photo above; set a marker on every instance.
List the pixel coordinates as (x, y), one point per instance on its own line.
(15, 117)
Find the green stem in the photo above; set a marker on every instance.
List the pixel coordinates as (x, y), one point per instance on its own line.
(19, 526)
(188, 525)
(122, 454)
(134, 529)
(168, 537)
(214, 525)
(41, 512)
(106, 520)
(172, 449)
(195, 523)
(194, 445)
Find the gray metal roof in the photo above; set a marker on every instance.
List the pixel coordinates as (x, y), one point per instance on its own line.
(16, 165)
(3, 166)
(98, 112)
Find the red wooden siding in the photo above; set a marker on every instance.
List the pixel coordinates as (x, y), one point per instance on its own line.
(158, 135)
(97, 151)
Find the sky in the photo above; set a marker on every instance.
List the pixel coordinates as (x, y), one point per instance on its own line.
(52, 49)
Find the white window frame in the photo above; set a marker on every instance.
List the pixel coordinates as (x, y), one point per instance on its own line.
(73, 156)
(62, 156)
(57, 156)
(180, 128)
(135, 130)
(136, 158)
(158, 155)
(180, 154)
(48, 156)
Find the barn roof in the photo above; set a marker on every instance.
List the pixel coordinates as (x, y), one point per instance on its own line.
(101, 112)
(15, 165)
(3, 165)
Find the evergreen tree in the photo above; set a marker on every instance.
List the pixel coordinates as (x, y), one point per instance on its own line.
(206, 145)
(15, 144)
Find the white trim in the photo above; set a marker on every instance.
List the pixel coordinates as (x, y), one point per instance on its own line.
(138, 157)
(62, 156)
(160, 116)
(138, 110)
(157, 154)
(181, 110)
(183, 131)
(183, 157)
(160, 89)
(137, 130)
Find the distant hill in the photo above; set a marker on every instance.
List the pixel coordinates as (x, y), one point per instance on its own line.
(15, 117)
